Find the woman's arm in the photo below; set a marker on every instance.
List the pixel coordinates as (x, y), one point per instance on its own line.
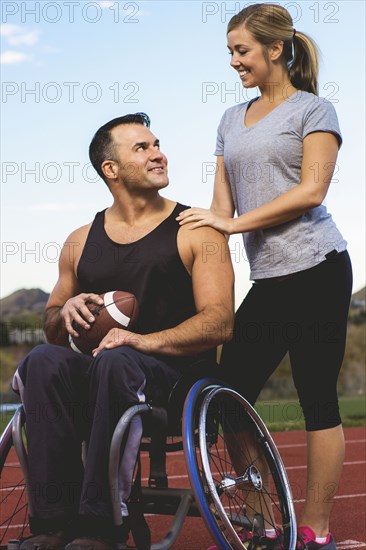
(320, 151)
(222, 200)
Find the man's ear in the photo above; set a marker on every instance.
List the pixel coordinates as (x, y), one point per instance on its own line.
(110, 169)
(275, 50)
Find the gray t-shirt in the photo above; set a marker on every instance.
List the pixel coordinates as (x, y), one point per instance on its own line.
(264, 161)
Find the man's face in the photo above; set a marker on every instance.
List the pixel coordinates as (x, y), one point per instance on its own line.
(141, 163)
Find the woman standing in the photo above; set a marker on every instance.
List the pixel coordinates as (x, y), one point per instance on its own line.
(275, 160)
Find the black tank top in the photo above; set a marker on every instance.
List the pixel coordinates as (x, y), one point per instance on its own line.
(150, 268)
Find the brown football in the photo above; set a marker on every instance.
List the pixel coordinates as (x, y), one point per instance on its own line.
(120, 310)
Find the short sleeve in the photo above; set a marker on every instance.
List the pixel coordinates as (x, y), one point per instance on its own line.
(219, 151)
(322, 117)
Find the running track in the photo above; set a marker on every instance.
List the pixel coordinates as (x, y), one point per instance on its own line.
(348, 523)
(349, 512)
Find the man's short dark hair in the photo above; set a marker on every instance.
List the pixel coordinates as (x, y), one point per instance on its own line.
(102, 146)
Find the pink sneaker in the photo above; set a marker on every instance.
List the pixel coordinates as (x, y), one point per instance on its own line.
(306, 540)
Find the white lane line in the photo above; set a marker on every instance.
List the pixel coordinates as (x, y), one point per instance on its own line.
(283, 446)
(12, 489)
(184, 476)
(354, 463)
(337, 497)
(289, 446)
(302, 467)
(348, 544)
(20, 526)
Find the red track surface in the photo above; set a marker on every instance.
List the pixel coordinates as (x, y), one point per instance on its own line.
(348, 522)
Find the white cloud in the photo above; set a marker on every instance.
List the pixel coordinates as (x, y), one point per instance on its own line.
(9, 30)
(9, 57)
(17, 35)
(105, 4)
(28, 39)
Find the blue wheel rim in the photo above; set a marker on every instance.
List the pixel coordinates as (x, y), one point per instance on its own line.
(192, 462)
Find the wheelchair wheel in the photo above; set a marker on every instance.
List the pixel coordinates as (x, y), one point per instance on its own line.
(235, 470)
(13, 497)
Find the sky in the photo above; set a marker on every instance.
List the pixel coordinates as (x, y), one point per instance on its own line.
(67, 67)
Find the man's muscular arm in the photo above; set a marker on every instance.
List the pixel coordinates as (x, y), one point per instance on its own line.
(206, 256)
(65, 303)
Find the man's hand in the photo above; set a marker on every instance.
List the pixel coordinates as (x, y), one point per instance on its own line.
(120, 337)
(75, 309)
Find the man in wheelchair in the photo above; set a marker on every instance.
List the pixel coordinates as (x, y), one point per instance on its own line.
(183, 281)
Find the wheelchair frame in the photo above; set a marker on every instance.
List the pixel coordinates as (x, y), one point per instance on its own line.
(202, 499)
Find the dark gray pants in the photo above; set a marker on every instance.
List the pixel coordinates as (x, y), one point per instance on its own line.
(70, 397)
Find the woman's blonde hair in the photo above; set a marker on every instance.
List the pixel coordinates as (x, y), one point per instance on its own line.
(269, 23)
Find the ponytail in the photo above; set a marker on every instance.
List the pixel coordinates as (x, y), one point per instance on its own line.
(304, 68)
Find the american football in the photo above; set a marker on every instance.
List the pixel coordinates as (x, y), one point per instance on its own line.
(120, 310)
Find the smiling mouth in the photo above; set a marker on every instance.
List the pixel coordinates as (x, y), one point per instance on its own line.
(157, 169)
(242, 74)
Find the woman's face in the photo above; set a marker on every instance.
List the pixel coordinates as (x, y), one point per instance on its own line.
(247, 58)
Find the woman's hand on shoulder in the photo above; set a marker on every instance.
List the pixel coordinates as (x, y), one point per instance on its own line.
(199, 217)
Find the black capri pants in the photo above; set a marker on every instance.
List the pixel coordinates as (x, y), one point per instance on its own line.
(304, 314)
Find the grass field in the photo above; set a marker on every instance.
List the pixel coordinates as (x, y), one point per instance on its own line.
(285, 415)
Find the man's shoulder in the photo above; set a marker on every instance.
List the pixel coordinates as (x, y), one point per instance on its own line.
(82, 231)
(79, 234)
(201, 235)
(75, 243)
(203, 246)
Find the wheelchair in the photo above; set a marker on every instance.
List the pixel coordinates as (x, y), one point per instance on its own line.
(237, 478)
